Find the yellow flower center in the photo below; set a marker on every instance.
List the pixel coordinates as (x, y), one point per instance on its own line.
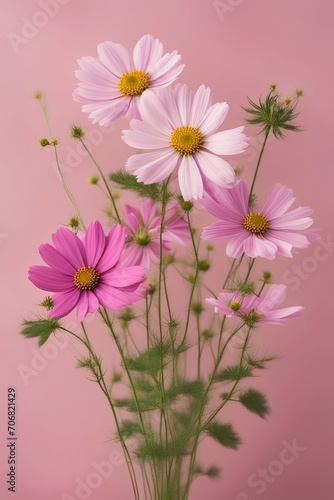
(255, 223)
(133, 83)
(186, 140)
(86, 278)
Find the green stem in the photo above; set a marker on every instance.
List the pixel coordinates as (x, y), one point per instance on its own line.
(119, 220)
(258, 165)
(101, 382)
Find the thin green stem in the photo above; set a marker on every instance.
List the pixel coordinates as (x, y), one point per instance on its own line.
(112, 199)
(99, 377)
(258, 165)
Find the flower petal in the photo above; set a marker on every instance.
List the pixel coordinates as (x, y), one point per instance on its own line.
(153, 167)
(213, 118)
(147, 52)
(87, 303)
(113, 298)
(70, 246)
(56, 260)
(115, 57)
(50, 280)
(214, 168)
(228, 142)
(190, 180)
(113, 248)
(94, 241)
(200, 104)
(279, 201)
(64, 303)
(256, 246)
(124, 277)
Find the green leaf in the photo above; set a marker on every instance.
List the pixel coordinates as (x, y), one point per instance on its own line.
(259, 363)
(129, 428)
(41, 328)
(224, 434)
(255, 401)
(128, 181)
(151, 360)
(211, 472)
(234, 372)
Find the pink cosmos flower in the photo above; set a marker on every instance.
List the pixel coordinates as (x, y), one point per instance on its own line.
(264, 233)
(142, 228)
(256, 310)
(178, 127)
(111, 85)
(85, 273)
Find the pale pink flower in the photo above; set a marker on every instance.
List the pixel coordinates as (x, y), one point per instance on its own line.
(111, 85)
(86, 273)
(142, 227)
(178, 126)
(256, 310)
(259, 233)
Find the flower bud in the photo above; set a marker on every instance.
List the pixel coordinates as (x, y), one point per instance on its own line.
(76, 132)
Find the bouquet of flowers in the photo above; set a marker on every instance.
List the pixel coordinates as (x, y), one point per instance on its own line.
(179, 364)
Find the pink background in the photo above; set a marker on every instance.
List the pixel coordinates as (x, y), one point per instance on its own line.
(63, 422)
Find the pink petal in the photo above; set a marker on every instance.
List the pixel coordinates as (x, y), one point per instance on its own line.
(153, 167)
(296, 219)
(185, 99)
(279, 201)
(64, 303)
(132, 256)
(150, 139)
(228, 142)
(94, 241)
(274, 296)
(57, 261)
(70, 247)
(113, 248)
(154, 113)
(166, 70)
(147, 52)
(124, 277)
(87, 303)
(190, 180)
(280, 315)
(235, 246)
(50, 280)
(115, 57)
(213, 118)
(200, 105)
(214, 168)
(113, 298)
(256, 246)
(106, 113)
(222, 230)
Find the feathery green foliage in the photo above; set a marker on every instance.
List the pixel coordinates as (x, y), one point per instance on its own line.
(234, 372)
(41, 328)
(224, 434)
(129, 182)
(255, 401)
(273, 113)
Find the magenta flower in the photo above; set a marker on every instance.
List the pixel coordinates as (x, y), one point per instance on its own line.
(85, 273)
(178, 126)
(264, 233)
(256, 310)
(142, 228)
(111, 85)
